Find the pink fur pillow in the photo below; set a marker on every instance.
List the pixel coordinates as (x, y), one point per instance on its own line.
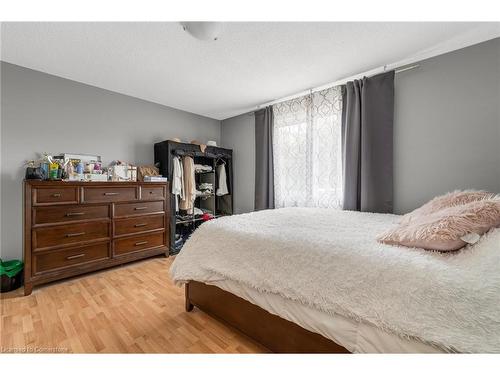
(446, 229)
(452, 199)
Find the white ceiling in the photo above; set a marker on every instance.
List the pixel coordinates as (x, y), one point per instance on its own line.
(250, 64)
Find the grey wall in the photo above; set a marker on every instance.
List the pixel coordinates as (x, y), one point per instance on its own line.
(45, 113)
(447, 125)
(446, 131)
(238, 133)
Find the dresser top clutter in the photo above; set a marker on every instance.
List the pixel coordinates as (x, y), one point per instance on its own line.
(74, 227)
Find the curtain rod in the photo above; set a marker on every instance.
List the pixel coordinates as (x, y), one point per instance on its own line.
(337, 83)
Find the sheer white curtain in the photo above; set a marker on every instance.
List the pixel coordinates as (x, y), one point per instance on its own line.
(307, 150)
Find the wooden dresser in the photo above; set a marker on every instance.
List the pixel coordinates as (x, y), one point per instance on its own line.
(72, 228)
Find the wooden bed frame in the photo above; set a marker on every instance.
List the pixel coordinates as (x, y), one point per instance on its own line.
(277, 334)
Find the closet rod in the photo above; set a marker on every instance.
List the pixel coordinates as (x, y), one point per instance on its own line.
(337, 83)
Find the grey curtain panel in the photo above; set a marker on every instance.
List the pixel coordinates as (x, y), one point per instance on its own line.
(264, 170)
(367, 143)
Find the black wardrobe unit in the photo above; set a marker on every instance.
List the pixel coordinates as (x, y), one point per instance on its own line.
(181, 224)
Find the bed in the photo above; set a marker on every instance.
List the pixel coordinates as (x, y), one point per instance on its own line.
(316, 280)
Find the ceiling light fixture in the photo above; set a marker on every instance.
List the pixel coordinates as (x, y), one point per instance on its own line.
(203, 30)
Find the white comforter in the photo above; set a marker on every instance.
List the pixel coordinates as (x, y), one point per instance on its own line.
(330, 260)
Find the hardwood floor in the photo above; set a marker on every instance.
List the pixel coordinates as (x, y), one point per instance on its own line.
(128, 309)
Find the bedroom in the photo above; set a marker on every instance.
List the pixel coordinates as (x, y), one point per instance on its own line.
(244, 186)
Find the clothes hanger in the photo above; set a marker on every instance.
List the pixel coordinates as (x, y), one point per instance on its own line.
(220, 159)
(184, 153)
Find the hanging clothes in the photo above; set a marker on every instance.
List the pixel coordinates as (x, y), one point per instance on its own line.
(177, 181)
(187, 202)
(221, 171)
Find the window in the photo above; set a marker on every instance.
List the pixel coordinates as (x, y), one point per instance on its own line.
(307, 150)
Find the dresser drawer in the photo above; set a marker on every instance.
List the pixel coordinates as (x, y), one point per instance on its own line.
(55, 195)
(56, 260)
(127, 209)
(138, 243)
(67, 234)
(139, 224)
(153, 192)
(109, 194)
(57, 214)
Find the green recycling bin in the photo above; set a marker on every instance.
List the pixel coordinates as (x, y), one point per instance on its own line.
(12, 275)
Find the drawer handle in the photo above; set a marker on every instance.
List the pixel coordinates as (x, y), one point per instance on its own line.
(140, 208)
(111, 193)
(75, 256)
(140, 225)
(69, 214)
(141, 243)
(75, 234)
(56, 195)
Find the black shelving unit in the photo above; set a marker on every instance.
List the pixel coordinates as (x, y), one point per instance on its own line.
(164, 152)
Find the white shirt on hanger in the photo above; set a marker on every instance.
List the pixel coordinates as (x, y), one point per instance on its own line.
(221, 171)
(177, 181)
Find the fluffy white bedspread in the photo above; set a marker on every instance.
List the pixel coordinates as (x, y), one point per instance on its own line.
(329, 259)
